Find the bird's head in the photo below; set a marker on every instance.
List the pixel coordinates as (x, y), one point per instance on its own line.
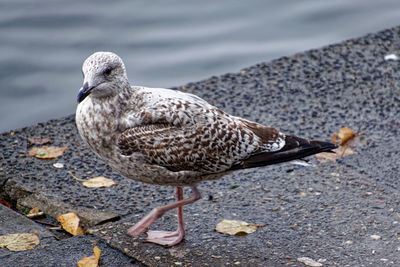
(104, 75)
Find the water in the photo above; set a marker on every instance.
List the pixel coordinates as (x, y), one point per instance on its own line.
(164, 43)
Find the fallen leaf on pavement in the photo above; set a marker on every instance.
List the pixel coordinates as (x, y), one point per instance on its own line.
(5, 203)
(337, 153)
(92, 261)
(344, 135)
(95, 182)
(99, 181)
(36, 140)
(344, 139)
(19, 242)
(309, 262)
(70, 223)
(47, 152)
(35, 212)
(235, 227)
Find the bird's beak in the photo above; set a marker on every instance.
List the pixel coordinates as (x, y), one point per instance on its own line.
(84, 92)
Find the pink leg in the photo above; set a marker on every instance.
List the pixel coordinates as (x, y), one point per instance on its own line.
(164, 237)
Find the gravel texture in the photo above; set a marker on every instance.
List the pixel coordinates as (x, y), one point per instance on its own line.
(343, 213)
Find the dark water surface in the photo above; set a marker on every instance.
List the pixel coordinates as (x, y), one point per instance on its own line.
(163, 43)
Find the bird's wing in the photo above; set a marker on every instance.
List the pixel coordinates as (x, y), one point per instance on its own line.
(180, 132)
(190, 136)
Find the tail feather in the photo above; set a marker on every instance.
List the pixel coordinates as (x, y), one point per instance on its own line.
(295, 148)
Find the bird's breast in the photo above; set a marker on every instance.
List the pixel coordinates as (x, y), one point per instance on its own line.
(97, 125)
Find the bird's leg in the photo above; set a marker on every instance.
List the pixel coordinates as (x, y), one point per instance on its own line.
(164, 237)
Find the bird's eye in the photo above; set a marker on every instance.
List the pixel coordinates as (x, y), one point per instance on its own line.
(107, 71)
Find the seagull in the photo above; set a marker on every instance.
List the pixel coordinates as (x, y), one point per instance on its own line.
(167, 137)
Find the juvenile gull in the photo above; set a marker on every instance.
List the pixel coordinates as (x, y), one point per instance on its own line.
(166, 137)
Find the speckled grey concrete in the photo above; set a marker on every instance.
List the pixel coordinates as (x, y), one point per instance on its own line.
(327, 212)
(50, 251)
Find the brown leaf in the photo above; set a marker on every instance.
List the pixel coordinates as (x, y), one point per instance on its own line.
(235, 227)
(92, 261)
(344, 139)
(47, 152)
(345, 134)
(70, 223)
(5, 203)
(19, 242)
(36, 140)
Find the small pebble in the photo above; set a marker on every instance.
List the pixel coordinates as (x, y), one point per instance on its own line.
(58, 165)
(391, 57)
(157, 258)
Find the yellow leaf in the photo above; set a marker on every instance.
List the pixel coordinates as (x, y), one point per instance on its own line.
(95, 182)
(99, 181)
(345, 134)
(70, 223)
(97, 252)
(19, 242)
(92, 261)
(35, 212)
(47, 152)
(234, 227)
(344, 139)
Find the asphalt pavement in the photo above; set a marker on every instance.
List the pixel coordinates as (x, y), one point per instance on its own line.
(343, 213)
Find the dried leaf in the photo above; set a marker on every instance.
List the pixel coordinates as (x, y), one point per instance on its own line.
(309, 262)
(19, 242)
(235, 227)
(47, 152)
(345, 134)
(344, 139)
(92, 261)
(35, 212)
(70, 223)
(99, 181)
(340, 152)
(36, 140)
(5, 203)
(95, 182)
(335, 139)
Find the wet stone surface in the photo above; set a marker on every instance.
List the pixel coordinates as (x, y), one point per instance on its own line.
(341, 213)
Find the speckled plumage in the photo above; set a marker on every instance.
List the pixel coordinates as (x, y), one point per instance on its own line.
(164, 136)
(167, 137)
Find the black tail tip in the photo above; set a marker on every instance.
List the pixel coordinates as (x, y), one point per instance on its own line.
(323, 146)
